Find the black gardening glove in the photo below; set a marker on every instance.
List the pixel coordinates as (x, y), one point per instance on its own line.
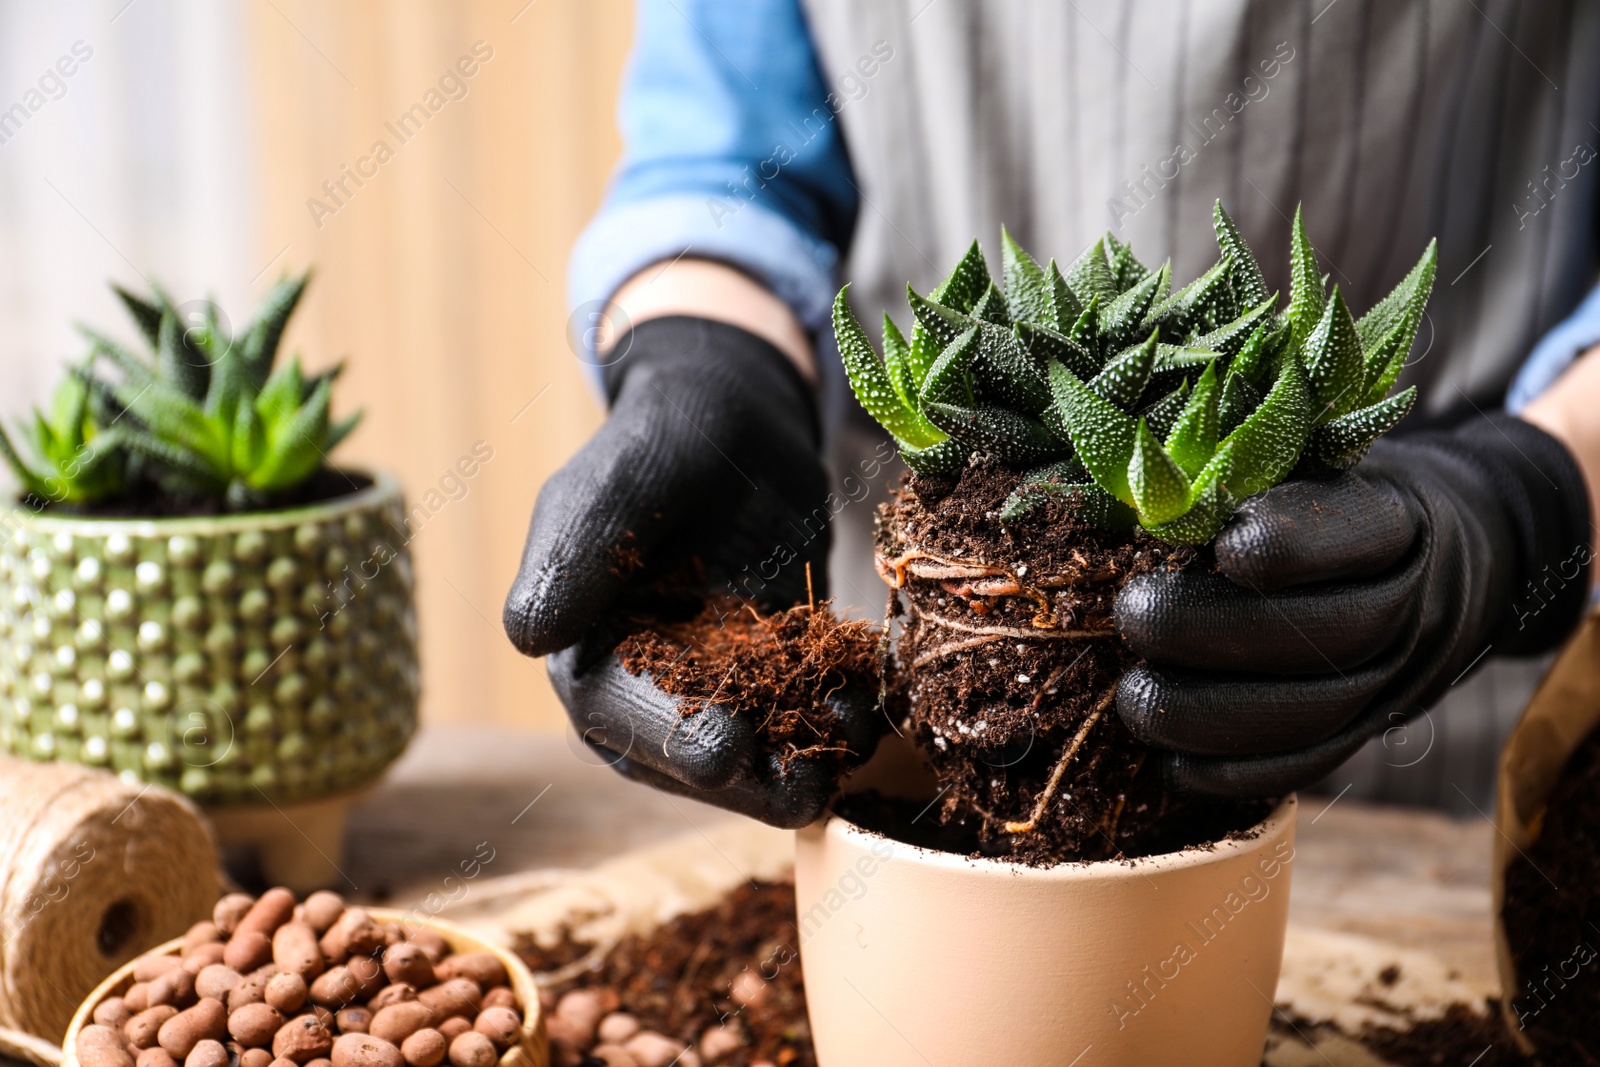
(1346, 605)
(709, 464)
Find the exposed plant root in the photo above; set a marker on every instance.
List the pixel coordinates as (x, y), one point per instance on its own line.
(1067, 755)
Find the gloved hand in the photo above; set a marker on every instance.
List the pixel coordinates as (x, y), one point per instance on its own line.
(711, 453)
(1343, 606)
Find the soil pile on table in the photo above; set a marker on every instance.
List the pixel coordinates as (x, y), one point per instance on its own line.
(1552, 918)
(782, 667)
(1461, 1037)
(722, 983)
(1007, 668)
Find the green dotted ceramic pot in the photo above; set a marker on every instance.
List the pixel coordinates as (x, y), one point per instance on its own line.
(238, 659)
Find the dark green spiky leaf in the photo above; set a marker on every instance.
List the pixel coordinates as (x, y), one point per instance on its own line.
(1230, 338)
(869, 378)
(943, 323)
(187, 463)
(965, 286)
(1306, 285)
(1404, 302)
(175, 418)
(1193, 439)
(134, 368)
(1212, 506)
(1340, 444)
(1120, 321)
(1007, 435)
(1333, 361)
(146, 315)
(1005, 373)
(897, 362)
(1044, 344)
(1090, 275)
(248, 442)
(1239, 398)
(1180, 314)
(945, 458)
(1126, 270)
(949, 380)
(1183, 358)
(1027, 287)
(1163, 414)
(294, 446)
(1244, 273)
(1066, 308)
(339, 429)
(1100, 432)
(31, 481)
(1266, 445)
(1160, 490)
(991, 308)
(178, 361)
(1385, 362)
(1251, 361)
(259, 344)
(1123, 380)
(1089, 502)
(1085, 330)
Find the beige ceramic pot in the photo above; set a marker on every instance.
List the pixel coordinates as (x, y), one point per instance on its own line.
(929, 959)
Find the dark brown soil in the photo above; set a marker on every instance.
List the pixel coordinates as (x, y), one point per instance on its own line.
(679, 979)
(781, 667)
(1552, 918)
(145, 500)
(1457, 1040)
(1001, 674)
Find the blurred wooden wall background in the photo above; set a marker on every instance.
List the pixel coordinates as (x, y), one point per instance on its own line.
(441, 276)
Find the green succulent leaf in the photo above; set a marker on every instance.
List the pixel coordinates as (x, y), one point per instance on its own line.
(1069, 482)
(1126, 270)
(1028, 297)
(1160, 489)
(964, 288)
(1251, 361)
(1120, 321)
(1266, 445)
(1244, 273)
(1181, 314)
(1340, 444)
(1090, 275)
(1239, 398)
(1102, 434)
(1005, 372)
(1334, 362)
(1123, 380)
(1306, 284)
(178, 360)
(991, 308)
(1405, 302)
(1085, 330)
(1067, 310)
(943, 323)
(1044, 344)
(1211, 506)
(1231, 337)
(1012, 437)
(259, 344)
(897, 363)
(945, 458)
(949, 380)
(1163, 414)
(869, 378)
(1193, 438)
(146, 314)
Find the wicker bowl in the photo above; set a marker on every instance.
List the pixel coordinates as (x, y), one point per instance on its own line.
(531, 1049)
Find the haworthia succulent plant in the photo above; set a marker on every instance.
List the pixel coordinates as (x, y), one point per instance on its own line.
(205, 415)
(1136, 403)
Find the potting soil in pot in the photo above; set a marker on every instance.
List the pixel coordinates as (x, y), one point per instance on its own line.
(1008, 669)
(1552, 917)
(781, 667)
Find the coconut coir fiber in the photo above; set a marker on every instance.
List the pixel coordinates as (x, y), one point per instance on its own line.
(781, 668)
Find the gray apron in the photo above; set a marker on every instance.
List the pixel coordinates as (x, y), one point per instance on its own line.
(1393, 120)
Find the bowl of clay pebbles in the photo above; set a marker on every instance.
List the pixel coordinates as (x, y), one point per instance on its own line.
(267, 982)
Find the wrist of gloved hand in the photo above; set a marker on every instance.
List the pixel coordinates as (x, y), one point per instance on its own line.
(1342, 606)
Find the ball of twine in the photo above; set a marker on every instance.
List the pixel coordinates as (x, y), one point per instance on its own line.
(93, 871)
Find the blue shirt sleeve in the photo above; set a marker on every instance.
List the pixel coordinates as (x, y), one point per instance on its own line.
(732, 152)
(1554, 353)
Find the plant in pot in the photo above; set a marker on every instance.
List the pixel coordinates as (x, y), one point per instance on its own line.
(1065, 432)
(191, 595)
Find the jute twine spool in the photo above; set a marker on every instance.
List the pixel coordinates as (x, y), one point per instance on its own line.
(93, 871)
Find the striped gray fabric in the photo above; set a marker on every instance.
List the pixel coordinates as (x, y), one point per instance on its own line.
(1393, 120)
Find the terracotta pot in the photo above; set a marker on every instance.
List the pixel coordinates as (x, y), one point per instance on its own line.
(923, 958)
(531, 1049)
